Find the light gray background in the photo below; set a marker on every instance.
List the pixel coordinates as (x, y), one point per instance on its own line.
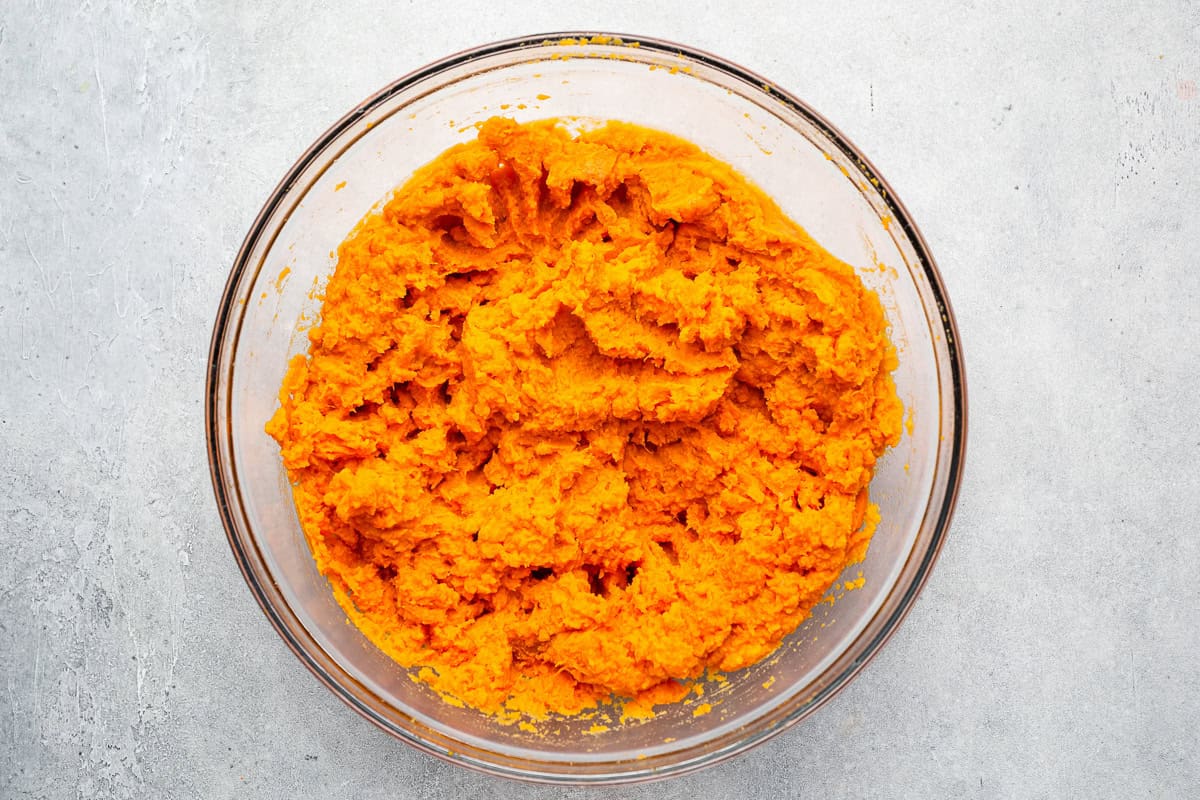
(1051, 161)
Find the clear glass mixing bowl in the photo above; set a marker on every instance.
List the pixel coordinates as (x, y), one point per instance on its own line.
(817, 177)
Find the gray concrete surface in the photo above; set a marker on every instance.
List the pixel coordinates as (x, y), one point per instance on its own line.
(1050, 158)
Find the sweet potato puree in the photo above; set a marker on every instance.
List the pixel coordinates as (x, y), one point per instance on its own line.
(583, 418)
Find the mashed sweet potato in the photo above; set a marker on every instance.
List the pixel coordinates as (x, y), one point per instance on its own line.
(583, 416)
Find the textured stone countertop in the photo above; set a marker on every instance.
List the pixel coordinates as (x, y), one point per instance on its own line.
(1051, 161)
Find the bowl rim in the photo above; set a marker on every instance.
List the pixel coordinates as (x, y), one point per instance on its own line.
(755, 82)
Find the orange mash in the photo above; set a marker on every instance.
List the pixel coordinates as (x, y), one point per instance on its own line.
(584, 416)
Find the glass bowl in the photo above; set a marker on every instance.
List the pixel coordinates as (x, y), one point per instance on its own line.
(780, 144)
